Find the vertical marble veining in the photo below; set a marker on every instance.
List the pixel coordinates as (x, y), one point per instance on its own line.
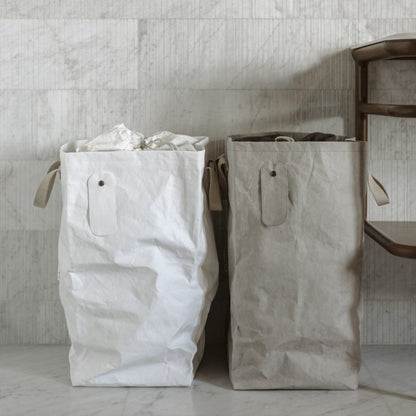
(49, 54)
(70, 70)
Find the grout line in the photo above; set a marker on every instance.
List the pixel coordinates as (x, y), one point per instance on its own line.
(178, 89)
(197, 18)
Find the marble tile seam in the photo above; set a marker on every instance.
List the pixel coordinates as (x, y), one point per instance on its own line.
(225, 18)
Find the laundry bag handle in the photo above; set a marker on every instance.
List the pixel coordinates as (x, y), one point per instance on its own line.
(45, 187)
(221, 164)
(214, 193)
(377, 190)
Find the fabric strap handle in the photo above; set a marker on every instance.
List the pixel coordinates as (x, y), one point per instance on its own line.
(214, 194)
(221, 164)
(378, 191)
(376, 188)
(217, 188)
(45, 187)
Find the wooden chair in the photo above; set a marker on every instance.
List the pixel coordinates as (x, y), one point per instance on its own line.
(399, 238)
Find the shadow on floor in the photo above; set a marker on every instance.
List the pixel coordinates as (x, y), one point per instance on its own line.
(388, 393)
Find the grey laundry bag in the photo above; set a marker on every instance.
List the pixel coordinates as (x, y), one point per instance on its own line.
(296, 221)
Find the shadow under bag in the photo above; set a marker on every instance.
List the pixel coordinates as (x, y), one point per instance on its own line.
(296, 222)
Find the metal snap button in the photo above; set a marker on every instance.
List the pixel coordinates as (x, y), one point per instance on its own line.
(101, 183)
(273, 173)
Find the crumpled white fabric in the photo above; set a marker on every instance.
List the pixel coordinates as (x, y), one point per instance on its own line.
(121, 138)
(118, 138)
(166, 140)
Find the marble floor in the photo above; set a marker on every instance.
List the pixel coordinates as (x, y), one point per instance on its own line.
(34, 381)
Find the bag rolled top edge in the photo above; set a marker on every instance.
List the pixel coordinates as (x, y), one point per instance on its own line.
(72, 146)
(297, 136)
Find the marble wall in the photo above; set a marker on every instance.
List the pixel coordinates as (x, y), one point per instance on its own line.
(73, 69)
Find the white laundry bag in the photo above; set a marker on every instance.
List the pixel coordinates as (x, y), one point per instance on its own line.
(137, 260)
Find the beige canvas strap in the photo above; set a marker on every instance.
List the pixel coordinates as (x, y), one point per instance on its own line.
(216, 173)
(45, 187)
(378, 191)
(376, 187)
(214, 194)
(221, 164)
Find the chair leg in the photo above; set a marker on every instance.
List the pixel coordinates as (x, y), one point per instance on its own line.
(361, 92)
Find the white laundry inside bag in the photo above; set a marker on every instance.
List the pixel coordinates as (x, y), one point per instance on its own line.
(121, 138)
